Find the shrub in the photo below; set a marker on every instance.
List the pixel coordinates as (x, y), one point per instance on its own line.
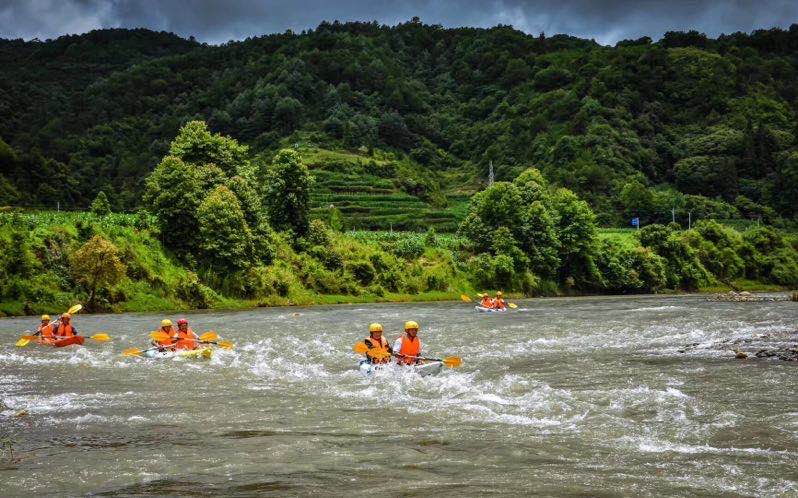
(197, 295)
(100, 206)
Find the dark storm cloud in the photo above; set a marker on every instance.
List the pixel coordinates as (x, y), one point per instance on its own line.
(218, 21)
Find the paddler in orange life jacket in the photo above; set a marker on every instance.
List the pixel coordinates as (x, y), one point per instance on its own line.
(486, 302)
(186, 338)
(499, 303)
(63, 327)
(379, 349)
(167, 328)
(407, 348)
(45, 330)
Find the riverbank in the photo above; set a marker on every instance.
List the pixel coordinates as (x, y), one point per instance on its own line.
(39, 272)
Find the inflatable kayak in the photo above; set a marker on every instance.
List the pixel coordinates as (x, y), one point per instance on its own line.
(194, 354)
(425, 369)
(60, 343)
(482, 309)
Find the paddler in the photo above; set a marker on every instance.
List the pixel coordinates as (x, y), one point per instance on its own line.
(166, 328)
(45, 330)
(486, 302)
(379, 350)
(407, 348)
(186, 338)
(498, 303)
(63, 327)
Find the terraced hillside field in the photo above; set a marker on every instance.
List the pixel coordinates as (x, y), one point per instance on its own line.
(371, 193)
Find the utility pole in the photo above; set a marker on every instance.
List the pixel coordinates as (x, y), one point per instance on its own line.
(673, 215)
(58, 206)
(689, 220)
(490, 174)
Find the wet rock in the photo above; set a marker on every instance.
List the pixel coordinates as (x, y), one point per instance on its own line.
(740, 355)
(22, 413)
(745, 297)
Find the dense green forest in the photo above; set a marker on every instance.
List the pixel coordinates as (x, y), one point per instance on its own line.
(411, 117)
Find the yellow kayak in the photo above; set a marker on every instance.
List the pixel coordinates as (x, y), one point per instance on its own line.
(194, 354)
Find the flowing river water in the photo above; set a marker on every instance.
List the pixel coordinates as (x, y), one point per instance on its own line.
(590, 396)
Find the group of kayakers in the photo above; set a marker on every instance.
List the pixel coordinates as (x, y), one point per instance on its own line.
(49, 332)
(406, 349)
(496, 303)
(182, 338)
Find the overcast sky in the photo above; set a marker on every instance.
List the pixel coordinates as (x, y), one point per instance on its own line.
(607, 21)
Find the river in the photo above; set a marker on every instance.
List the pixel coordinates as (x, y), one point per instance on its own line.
(596, 396)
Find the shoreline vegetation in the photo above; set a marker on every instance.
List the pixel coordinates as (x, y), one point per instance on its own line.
(224, 230)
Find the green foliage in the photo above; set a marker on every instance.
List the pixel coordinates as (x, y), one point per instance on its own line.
(195, 144)
(287, 192)
(225, 238)
(100, 206)
(96, 266)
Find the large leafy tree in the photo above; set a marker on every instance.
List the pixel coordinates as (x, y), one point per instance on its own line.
(287, 192)
(225, 238)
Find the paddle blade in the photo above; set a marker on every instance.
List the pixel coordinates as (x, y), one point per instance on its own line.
(360, 348)
(22, 342)
(226, 344)
(101, 337)
(465, 298)
(452, 361)
(131, 352)
(513, 305)
(209, 336)
(75, 309)
(29, 337)
(160, 336)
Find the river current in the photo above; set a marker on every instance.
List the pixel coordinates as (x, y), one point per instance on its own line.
(586, 396)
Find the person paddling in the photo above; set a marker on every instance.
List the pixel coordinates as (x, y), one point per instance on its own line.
(166, 328)
(379, 350)
(45, 331)
(63, 329)
(499, 303)
(486, 301)
(186, 338)
(407, 348)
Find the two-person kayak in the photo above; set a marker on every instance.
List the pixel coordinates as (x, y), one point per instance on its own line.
(192, 354)
(482, 309)
(423, 369)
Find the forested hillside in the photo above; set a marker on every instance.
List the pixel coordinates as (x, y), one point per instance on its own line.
(691, 123)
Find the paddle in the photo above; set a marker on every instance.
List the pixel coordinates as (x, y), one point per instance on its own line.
(449, 361)
(465, 298)
(25, 340)
(101, 337)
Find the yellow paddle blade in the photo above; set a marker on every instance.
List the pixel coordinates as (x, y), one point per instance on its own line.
(101, 337)
(209, 336)
(160, 336)
(452, 361)
(513, 305)
(131, 352)
(226, 344)
(360, 348)
(29, 337)
(75, 309)
(465, 298)
(22, 342)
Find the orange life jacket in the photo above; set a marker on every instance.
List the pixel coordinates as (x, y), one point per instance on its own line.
(499, 303)
(170, 342)
(186, 340)
(381, 345)
(486, 302)
(64, 330)
(46, 331)
(410, 347)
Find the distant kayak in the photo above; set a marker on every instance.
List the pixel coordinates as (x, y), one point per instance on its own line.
(424, 370)
(194, 354)
(482, 309)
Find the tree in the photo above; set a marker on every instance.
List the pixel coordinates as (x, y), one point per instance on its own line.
(225, 240)
(287, 192)
(101, 206)
(195, 144)
(96, 265)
